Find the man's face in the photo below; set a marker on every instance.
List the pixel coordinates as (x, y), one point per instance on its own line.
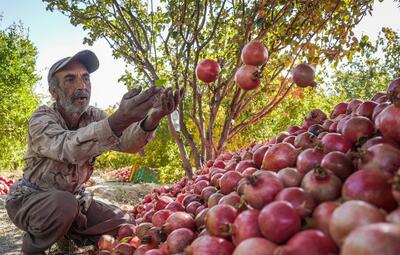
(74, 88)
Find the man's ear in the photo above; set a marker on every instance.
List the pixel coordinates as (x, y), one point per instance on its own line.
(53, 92)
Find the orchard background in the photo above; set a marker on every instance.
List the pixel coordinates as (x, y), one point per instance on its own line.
(161, 43)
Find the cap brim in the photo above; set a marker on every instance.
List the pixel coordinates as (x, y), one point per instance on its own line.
(88, 59)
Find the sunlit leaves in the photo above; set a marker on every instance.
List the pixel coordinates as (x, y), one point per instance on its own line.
(17, 100)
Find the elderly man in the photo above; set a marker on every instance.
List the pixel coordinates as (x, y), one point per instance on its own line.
(49, 203)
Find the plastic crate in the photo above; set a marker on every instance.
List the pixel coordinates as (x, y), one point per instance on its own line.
(145, 175)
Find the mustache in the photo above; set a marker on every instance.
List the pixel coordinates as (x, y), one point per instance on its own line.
(81, 93)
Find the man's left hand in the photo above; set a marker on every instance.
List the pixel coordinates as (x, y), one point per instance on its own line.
(167, 103)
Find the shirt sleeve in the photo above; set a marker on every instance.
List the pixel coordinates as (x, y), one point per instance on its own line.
(134, 138)
(48, 138)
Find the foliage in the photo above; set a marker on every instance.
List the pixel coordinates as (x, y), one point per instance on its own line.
(370, 70)
(17, 100)
(163, 42)
(161, 154)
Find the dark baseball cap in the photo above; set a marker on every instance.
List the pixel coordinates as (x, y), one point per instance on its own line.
(85, 57)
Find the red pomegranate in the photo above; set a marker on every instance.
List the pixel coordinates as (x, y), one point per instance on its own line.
(208, 70)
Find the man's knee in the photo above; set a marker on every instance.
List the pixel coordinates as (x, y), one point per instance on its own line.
(65, 204)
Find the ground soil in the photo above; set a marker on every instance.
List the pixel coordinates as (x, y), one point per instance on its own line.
(116, 193)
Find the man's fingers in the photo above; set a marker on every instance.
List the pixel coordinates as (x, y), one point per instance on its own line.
(133, 92)
(146, 95)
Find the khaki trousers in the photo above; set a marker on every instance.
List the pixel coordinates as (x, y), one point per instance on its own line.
(47, 216)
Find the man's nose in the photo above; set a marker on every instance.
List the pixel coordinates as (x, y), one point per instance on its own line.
(83, 83)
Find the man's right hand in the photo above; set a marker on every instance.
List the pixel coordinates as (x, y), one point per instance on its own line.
(133, 107)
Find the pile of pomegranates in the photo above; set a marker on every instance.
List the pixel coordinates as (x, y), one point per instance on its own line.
(330, 186)
(120, 175)
(5, 185)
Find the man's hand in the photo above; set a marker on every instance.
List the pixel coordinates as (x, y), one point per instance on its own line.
(167, 102)
(133, 107)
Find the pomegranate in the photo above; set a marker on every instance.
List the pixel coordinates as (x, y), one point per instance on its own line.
(219, 219)
(340, 108)
(154, 252)
(142, 229)
(322, 215)
(322, 184)
(248, 172)
(232, 199)
(261, 189)
(215, 179)
(279, 156)
(159, 217)
(200, 185)
(377, 140)
(393, 90)
(350, 215)
(258, 155)
(381, 157)
(243, 165)
(301, 201)
(304, 75)
(389, 123)
(290, 177)
(373, 239)
(317, 114)
(229, 181)
(278, 221)
(353, 105)
(199, 220)
(378, 95)
(335, 142)
(190, 198)
(248, 77)
(281, 136)
(371, 186)
(308, 160)
(126, 230)
(304, 140)
(338, 163)
(316, 129)
(366, 109)
(308, 242)
(178, 220)
(179, 239)
(378, 109)
(255, 246)
(290, 139)
(162, 202)
(207, 192)
(292, 129)
(214, 199)
(254, 53)
(142, 249)
(357, 129)
(208, 70)
(123, 249)
(192, 207)
(245, 226)
(210, 245)
(175, 206)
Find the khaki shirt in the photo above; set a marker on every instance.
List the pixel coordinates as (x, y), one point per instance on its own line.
(63, 159)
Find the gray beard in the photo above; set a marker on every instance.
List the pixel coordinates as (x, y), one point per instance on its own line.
(68, 106)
